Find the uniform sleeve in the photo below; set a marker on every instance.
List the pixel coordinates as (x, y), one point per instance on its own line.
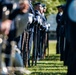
(39, 20)
(57, 19)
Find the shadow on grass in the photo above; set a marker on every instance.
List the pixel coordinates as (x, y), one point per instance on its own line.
(40, 73)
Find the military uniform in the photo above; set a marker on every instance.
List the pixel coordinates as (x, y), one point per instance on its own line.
(37, 53)
(60, 32)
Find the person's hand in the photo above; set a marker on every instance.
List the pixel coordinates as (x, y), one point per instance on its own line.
(5, 27)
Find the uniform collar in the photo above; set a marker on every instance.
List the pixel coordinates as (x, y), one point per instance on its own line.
(61, 13)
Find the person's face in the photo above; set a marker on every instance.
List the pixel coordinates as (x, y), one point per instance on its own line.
(41, 9)
(44, 10)
(60, 10)
(24, 6)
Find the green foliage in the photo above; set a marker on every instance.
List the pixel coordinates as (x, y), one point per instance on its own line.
(51, 5)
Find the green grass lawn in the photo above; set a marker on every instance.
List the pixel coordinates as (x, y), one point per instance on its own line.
(52, 47)
(50, 65)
